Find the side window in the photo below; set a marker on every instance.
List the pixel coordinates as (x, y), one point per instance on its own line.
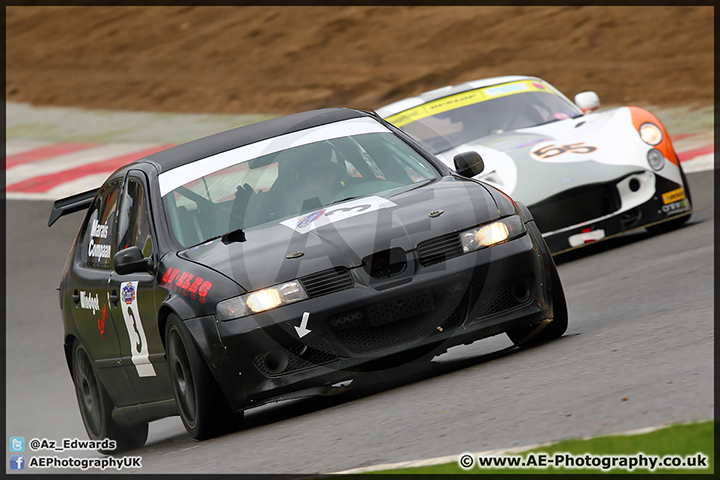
(96, 248)
(134, 221)
(85, 237)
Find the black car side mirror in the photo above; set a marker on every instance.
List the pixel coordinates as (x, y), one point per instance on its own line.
(468, 164)
(131, 260)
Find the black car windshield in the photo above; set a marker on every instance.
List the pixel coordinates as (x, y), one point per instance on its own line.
(452, 121)
(291, 182)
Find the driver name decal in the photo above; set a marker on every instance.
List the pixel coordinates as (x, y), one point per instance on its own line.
(136, 333)
(97, 230)
(335, 213)
(98, 251)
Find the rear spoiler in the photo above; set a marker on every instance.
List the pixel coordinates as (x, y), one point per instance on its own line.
(74, 203)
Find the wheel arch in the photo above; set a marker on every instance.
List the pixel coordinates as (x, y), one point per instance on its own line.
(70, 339)
(204, 334)
(71, 335)
(202, 330)
(163, 314)
(174, 306)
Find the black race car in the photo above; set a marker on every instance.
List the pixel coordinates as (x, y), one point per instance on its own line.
(278, 260)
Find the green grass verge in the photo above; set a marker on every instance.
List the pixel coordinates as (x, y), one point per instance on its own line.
(684, 440)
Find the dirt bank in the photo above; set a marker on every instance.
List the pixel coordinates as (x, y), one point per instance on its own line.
(287, 59)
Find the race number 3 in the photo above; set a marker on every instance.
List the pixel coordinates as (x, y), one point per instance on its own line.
(134, 327)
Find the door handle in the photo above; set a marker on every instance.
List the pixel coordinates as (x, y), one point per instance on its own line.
(75, 297)
(114, 297)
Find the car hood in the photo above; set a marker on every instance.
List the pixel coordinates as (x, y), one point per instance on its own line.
(344, 233)
(603, 147)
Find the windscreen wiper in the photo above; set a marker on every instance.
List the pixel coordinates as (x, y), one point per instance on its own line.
(344, 199)
(227, 238)
(234, 236)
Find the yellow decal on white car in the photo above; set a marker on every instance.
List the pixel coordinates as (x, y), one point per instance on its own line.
(673, 196)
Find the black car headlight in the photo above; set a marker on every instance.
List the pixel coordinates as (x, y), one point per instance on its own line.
(261, 300)
(491, 234)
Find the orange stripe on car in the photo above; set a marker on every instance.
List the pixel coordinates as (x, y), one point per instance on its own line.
(640, 116)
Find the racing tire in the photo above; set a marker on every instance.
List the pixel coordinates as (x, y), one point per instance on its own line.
(675, 223)
(532, 335)
(202, 406)
(96, 407)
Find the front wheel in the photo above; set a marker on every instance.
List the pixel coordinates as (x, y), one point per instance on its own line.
(549, 329)
(203, 409)
(96, 407)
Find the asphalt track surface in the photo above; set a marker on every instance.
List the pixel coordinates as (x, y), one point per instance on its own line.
(638, 353)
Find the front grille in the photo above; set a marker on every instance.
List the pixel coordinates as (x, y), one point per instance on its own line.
(575, 206)
(439, 249)
(327, 281)
(385, 264)
(398, 321)
(504, 297)
(300, 356)
(404, 307)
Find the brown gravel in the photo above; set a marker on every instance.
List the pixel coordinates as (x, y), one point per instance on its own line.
(287, 59)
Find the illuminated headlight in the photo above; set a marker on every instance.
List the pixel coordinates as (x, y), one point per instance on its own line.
(492, 234)
(650, 133)
(655, 159)
(261, 300)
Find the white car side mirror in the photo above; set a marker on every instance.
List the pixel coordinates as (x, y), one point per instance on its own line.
(587, 101)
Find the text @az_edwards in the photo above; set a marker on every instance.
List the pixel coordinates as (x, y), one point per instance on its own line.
(70, 444)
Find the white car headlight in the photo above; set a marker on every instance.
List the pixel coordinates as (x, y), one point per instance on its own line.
(261, 300)
(492, 234)
(650, 133)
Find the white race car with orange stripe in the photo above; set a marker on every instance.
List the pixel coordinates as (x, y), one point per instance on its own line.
(584, 175)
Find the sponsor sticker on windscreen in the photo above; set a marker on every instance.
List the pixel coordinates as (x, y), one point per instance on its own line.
(342, 211)
(506, 89)
(463, 99)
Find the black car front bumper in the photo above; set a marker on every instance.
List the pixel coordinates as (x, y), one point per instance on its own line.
(379, 322)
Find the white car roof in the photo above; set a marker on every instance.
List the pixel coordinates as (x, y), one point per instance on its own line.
(406, 103)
